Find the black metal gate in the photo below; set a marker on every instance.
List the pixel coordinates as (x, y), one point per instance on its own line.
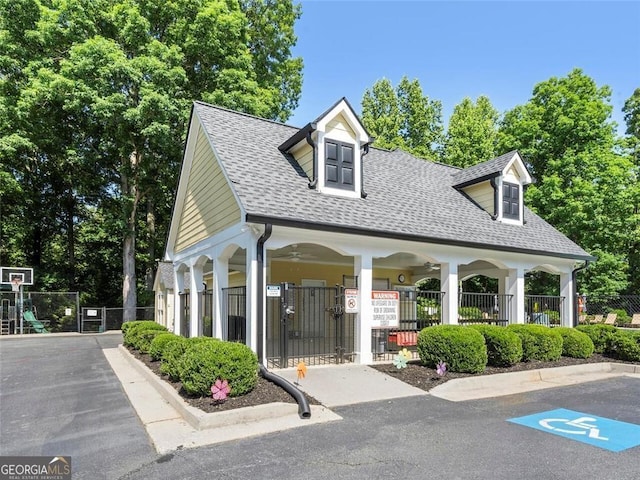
(308, 324)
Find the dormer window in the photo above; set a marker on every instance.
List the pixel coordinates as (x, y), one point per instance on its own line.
(511, 201)
(339, 165)
(330, 150)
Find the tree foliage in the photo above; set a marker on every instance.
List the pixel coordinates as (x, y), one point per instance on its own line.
(94, 100)
(584, 185)
(472, 133)
(403, 117)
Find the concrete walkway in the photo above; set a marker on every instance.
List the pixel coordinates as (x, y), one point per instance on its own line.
(339, 385)
(173, 424)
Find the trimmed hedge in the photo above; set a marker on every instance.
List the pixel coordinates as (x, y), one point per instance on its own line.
(205, 362)
(575, 344)
(504, 347)
(600, 335)
(130, 337)
(463, 349)
(538, 342)
(159, 343)
(127, 325)
(625, 345)
(143, 338)
(171, 356)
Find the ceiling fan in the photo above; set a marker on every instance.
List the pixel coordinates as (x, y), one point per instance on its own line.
(431, 267)
(292, 254)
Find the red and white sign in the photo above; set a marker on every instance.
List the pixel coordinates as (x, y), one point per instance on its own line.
(385, 306)
(351, 300)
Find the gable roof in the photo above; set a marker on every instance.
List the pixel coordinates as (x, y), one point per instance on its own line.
(483, 171)
(408, 198)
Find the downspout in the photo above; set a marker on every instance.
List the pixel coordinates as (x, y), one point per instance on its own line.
(496, 199)
(574, 278)
(313, 183)
(261, 288)
(363, 194)
(303, 406)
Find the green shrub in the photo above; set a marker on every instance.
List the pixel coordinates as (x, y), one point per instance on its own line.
(205, 362)
(538, 342)
(159, 343)
(172, 355)
(128, 325)
(600, 335)
(504, 347)
(143, 338)
(130, 335)
(625, 345)
(553, 316)
(463, 349)
(469, 312)
(575, 344)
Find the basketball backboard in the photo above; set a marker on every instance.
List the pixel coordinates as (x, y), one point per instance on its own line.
(7, 274)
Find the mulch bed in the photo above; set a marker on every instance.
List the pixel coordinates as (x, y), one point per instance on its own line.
(427, 378)
(414, 374)
(265, 392)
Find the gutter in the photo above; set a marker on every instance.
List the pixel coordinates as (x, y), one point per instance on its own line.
(574, 276)
(303, 406)
(350, 230)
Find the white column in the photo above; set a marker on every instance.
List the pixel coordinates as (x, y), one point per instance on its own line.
(514, 286)
(220, 282)
(178, 288)
(449, 285)
(195, 287)
(363, 269)
(568, 306)
(252, 295)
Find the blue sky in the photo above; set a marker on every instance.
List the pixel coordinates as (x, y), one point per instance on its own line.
(456, 49)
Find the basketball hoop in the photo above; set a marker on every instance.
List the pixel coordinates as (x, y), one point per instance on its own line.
(15, 284)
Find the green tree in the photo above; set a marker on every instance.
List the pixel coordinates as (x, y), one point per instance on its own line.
(472, 134)
(632, 118)
(94, 100)
(583, 183)
(403, 117)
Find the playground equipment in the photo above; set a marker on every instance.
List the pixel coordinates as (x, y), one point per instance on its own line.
(14, 315)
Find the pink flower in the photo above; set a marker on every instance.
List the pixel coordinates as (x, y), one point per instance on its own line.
(220, 390)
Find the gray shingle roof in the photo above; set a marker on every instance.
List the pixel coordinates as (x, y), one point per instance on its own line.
(483, 170)
(407, 197)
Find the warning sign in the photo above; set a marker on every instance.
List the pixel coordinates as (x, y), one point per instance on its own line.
(386, 309)
(351, 300)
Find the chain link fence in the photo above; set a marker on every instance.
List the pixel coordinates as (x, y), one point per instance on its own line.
(53, 312)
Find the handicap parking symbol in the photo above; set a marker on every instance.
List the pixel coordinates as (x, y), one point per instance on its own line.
(601, 432)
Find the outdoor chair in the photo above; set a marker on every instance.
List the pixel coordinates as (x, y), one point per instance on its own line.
(611, 319)
(597, 319)
(582, 319)
(635, 320)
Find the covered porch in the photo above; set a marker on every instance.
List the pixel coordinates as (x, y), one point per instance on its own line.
(282, 292)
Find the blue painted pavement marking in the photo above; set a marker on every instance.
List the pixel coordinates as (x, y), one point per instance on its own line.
(598, 431)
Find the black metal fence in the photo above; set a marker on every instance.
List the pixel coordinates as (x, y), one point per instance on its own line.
(544, 309)
(308, 324)
(489, 308)
(234, 314)
(417, 310)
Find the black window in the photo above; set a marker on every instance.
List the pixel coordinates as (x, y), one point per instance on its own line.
(339, 165)
(511, 201)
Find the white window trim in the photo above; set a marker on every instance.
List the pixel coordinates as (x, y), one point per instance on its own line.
(515, 181)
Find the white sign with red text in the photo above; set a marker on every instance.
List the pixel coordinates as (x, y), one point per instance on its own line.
(385, 306)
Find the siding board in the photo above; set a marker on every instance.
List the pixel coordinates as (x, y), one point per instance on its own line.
(209, 206)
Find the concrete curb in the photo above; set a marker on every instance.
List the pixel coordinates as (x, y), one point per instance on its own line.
(487, 386)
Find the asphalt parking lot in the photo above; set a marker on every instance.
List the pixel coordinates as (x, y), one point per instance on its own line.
(59, 397)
